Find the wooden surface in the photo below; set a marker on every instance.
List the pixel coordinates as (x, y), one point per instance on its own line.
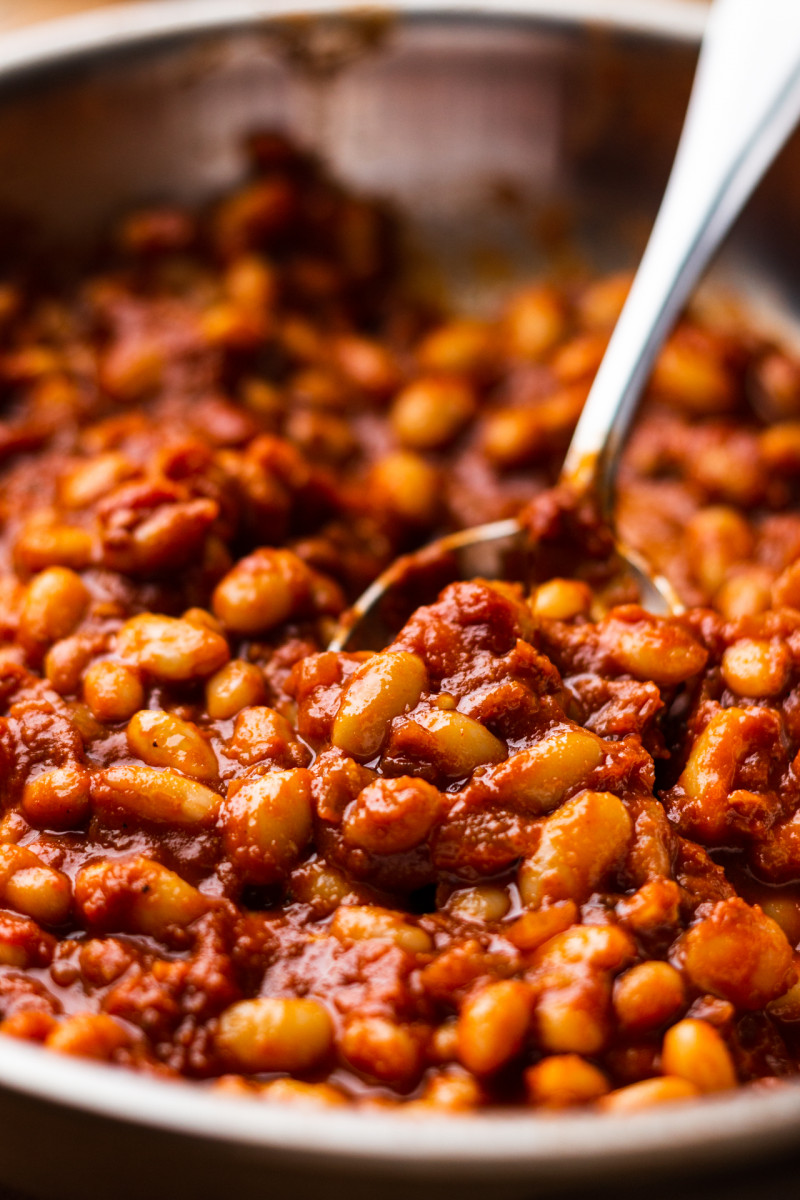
(14, 13)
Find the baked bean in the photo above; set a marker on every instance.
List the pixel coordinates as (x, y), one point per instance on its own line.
(455, 743)
(483, 904)
(601, 947)
(165, 797)
(756, 667)
(561, 600)
(444, 1042)
(297, 1092)
(250, 282)
(266, 824)
(447, 976)
(163, 740)
(534, 323)
(513, 437)
(572, 973)
(708, 777)
(579, 357)
(356, 923)
(23, 944)
(777, 381)
(204, 620)
(66, 661)
(383, 1049)
(664, 1090)
(558, 413)
(692, 377)
(171, 649)
(391, 816)
(57, 799)
(783, 908)
(746, 593)
(136, 895)
(780, 446)
(539, 777)
(41, 546)
(259, 733)
(733, 471)
(533, 929)
(429, 413)
(233, 687)
(93, 479)
(113, 691)
(320, 885)
(55, 602)
(492, 1025)
(580, 844)
(786, 588)
(32, 362)
(648, 649)
(694, 1050)
(717, 539)
(233, 327)
(13, 826)
(738, 953)
(33, 888)
(601, 301)
(648, 995)
(132, 369)
(367, 363)
(274, 1034)
(262, 591)
(462, 347)
(564, 1080)
(383, 688)
(451, 1092)
(407, 486)
(88, 1035)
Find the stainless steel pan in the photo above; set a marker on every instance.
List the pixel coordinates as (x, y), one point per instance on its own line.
(481, 121)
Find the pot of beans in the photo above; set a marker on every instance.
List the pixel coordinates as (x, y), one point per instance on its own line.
(514, 899)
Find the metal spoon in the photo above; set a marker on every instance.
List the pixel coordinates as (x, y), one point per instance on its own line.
(744, 104)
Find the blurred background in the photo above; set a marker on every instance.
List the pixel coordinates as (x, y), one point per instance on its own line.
(21, 12)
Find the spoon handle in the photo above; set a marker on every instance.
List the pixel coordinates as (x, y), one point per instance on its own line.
(744, 104)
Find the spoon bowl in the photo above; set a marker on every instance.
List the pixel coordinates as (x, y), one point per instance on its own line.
(745, 102)
(498, 550)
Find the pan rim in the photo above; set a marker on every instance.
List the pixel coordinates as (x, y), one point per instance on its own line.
(497, 1143)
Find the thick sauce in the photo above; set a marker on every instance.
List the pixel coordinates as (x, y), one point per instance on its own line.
(542, 849)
